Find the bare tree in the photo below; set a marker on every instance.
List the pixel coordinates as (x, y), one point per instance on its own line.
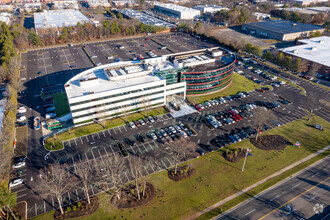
(55, 182)
(86, 176)
(145, 104)
(124, 111)
(135, 166)
(314, 68)
(261, 117)
(108, 172)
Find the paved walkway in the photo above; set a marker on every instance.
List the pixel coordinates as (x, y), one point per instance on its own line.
(220, 203)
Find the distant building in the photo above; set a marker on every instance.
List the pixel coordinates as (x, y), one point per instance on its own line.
(177, 11)
(261, 16)
(210, 8)
(5, 17)
(59, 19)
(280, 29)
(97, 3)
(144, 18)
(308, 2)
(31, 7)
(124, 3)
(8, 8)
(258, 1)
(314, 50)
(67, 4)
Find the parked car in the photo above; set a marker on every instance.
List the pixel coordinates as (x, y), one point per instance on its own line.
(132, 125)
(200, 151)
(151, 119)
(19, 164)
(15, 182)
(207, 147)
(21, 119)
(153, 136)
(142, 122)
(21, 109)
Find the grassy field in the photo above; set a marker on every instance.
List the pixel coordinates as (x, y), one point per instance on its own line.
(216, 178)
(91, 128)
(239, 83)
(61, 104)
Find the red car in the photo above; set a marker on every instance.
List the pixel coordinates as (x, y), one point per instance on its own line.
(198, 108)
(261, 90)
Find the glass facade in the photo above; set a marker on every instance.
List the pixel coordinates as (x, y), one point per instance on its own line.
(208, 81)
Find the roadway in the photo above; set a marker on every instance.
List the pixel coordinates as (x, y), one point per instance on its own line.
(304, 196)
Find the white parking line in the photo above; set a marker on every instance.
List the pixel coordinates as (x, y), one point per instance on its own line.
(250, 212)
(53, 202)
(275, 197)
(109, 132)
(169, 161)
(98, 134)
(114, 131)
(132, 148)
(163, 163)
(295, 186)
(126, 177)
(69, 197)
(87, 138)
(81, 140)
(93, 137)
(113, 151)
(75, 141)
(77, 195)
(93, 155)
(103, 133)
(158, 165)
(139, 149)
(144, 148)
(152, 167)
(92, 190)
(20, 196)
(69, 143)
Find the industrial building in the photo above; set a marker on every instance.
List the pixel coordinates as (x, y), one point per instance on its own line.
(32, 7)
(144, 18)
(313, 50)
(177, 11)
(66, 4)
(129, 86)
(59, 19)
(261, 16)
(280, 29)
(124, 3)
(210, 8)
(308, 2)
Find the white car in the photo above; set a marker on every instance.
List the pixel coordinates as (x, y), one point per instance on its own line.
(153, 136)
(15, 182)
(132, 125)
(18, 165)
(22, 118)
(172, 129)
(183, 134)
(21, 109)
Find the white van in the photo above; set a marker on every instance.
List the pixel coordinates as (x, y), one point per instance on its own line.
(22, 118)
(21, 109)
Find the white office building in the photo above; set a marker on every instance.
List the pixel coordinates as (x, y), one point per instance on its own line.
(210, 8)
(118, 88)
(177, 11)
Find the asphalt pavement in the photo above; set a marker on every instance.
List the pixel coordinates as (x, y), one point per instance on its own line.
(305, 196)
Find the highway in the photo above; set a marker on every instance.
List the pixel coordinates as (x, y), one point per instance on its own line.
(303, 196)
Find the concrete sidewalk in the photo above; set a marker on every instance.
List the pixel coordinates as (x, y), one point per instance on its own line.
(220, 203)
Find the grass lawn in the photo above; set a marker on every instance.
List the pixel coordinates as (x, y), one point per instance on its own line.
(91, 128)
(61, 104)
(216, 178)
(239, 83)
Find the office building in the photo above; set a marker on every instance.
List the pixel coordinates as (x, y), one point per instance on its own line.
(177, 11)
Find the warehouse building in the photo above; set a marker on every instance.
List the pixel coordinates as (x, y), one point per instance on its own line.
(177, 11)
(144, 18)
(309, 2)
(280, 29)
(5, 17)
(314, 50)
(124, 87)
(210, 8)
(58, 19)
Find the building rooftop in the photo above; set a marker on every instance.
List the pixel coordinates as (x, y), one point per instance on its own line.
(5, 17)
(178, 8)
(109, 77)
(315, 49)
(224, 61)
(284, 27)
(59, 19)
(144, 18)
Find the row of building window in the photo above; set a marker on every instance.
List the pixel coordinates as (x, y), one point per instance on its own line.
(115, 108)
(220, 77)
(116, 95)
(209, 87)
(103, 105)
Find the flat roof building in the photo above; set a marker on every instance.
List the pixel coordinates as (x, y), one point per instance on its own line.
(67, 4)
(316, 50)
(59, 19)
(261, 16)
(124, 87)
(5, 17)
(281, 29)
(309, 2)
(144, 18)
(210, 8)
(122, 3)
(177, 11)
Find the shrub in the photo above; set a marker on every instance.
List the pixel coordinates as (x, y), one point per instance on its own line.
(236, 152)
(68, 209)
(186, 169)
(74, 208)
(181, 171)
(79, 204)
(131, 191)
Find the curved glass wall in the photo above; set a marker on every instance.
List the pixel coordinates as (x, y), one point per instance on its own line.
(203, 82)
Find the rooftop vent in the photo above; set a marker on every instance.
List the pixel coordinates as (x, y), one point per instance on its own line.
(321, 41)
(295, 51)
